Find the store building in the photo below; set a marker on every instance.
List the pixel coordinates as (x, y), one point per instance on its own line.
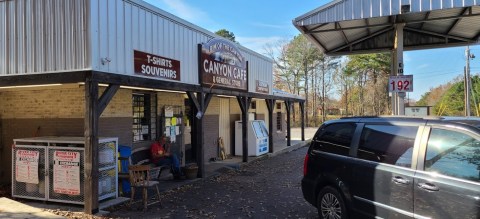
(123, 68)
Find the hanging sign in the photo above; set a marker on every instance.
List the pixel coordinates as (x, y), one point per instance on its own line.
(26, 166)
(262, 87)
(223, 65)
(66, 172)
(151, 65)
(400, 83)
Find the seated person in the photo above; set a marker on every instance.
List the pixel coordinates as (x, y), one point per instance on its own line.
(161, 155)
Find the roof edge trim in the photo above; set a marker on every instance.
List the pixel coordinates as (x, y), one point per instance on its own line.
(314, 11)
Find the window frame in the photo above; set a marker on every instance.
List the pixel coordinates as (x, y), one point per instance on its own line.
(321, 131)
(279, 121)
(149, 114)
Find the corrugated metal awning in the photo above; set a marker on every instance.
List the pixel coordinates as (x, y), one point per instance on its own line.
(364, 26)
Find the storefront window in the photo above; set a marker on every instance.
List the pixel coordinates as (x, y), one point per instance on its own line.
(279, 121)
(144, 117)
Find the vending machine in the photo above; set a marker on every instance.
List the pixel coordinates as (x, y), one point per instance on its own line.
(257, 135)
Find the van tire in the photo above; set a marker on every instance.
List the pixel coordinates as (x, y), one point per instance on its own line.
(330, 204)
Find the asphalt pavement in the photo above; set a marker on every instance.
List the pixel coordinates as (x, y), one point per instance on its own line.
(265, 188)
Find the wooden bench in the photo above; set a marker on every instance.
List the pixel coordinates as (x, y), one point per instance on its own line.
(141, 156)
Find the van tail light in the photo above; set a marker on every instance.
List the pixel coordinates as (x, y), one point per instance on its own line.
(305, 165)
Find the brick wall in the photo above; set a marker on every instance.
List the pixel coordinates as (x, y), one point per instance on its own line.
(210, 136)
(59, 102)
(213, 107)
(57, 111)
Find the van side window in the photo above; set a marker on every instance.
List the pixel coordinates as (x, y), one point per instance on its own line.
(336, 138)
(388, 144)
(453, 154)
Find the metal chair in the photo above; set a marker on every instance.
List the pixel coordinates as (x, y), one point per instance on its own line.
(140, 178)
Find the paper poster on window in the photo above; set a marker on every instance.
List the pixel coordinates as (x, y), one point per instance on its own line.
(177, 130)
(168, 122)
(26, 166)
(144, 129)
(173, 136)
(168, 111)
(174, 121)
(66, 172)
(167, 131)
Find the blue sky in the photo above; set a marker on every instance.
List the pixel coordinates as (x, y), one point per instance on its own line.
(256, 23)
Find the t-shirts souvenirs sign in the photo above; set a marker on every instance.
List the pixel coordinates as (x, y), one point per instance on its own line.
(156, 66)
(223, 65)
(262, 87)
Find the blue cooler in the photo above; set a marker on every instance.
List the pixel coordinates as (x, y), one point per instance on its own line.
(125, 151)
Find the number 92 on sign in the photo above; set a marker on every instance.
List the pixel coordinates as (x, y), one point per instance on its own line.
(400, 83)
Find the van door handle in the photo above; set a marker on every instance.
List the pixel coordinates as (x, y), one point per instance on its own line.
(400, 180)
(428, 186)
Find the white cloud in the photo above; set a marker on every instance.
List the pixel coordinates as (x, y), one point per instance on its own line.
(274, 26)
(423, 66)
(185, 11)
(257, 44)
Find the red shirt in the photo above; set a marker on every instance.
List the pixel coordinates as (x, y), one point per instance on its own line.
(155, 148)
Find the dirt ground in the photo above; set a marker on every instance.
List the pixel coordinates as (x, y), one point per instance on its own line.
(268, 188)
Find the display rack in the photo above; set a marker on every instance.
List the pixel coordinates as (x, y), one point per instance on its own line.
(52, 169)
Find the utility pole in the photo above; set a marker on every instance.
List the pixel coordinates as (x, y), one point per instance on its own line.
(467, 81)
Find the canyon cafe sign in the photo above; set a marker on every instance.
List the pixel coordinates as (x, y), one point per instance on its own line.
(223, 65)
(151, 65)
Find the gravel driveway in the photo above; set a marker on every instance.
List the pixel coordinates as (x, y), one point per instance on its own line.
(266, 188)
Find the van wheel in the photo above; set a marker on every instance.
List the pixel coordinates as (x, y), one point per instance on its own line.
(330, 204)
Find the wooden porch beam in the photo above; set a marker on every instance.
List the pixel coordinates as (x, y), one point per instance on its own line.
(107, 97)
(193, 99)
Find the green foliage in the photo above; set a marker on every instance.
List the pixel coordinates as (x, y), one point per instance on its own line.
(423, 99)
(452, 102)
(226, 34)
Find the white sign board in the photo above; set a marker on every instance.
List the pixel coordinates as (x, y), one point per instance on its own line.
(66, 172)
(400, 83)
(26, 166)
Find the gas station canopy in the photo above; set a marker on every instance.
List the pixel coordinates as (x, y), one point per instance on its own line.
(365, 26)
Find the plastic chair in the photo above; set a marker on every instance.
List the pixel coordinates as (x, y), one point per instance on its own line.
(140, 178)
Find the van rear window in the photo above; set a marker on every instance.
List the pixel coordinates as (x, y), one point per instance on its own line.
(336, 138)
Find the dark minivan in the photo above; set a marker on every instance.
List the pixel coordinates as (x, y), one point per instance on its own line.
(395, 167)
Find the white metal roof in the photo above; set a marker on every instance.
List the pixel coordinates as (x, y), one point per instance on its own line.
(362, 26)
(281, 93)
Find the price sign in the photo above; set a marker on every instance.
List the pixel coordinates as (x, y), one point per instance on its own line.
(401, 83)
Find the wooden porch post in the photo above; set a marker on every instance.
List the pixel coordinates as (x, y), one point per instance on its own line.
(244, 103)
(302, 114)
(200, 102)
(270, 107)
(91, 147)
(94, 107)
(288, 106)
